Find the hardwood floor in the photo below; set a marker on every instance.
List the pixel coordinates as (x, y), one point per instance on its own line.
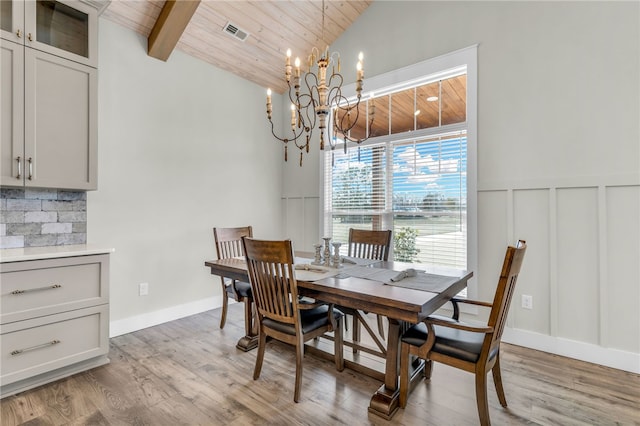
(189, 372)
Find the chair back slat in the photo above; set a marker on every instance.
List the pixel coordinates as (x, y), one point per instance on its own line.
(229, 241)
(366, 244)
(505, 290)
(273, 283)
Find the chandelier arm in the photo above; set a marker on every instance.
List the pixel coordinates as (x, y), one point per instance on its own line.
(309, 109)
(346, 110)
(312, 86)
(342, 104)
(313, 83)
(337, 86)
(286, 140)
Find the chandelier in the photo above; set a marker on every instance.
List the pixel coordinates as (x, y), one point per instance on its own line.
(321, 98)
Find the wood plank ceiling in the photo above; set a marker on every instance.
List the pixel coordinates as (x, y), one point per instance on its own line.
(273, 26)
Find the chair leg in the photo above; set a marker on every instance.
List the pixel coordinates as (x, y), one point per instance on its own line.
(225, 306)
(381, 326)
(299, 356)
(428, 368)
(404, 374)
(481, 398)
(497, 381)
(262, 342)
(355, 336)
(338, 347)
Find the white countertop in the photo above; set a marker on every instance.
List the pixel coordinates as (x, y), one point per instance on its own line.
(51, 252)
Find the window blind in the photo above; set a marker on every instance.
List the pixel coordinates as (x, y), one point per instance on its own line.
(410, 176)
(356, 188)
(429, 201)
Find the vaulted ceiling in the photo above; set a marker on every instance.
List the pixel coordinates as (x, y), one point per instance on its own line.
(271, 28)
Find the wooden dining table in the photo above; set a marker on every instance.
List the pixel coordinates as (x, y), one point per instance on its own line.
(402, 306)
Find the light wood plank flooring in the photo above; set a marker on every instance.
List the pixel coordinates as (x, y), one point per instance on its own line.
(188, 372)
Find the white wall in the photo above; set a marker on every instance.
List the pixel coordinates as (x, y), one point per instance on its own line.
(558, 156)
(183, 147)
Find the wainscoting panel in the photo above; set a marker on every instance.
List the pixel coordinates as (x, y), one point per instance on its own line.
(578, 264)
(531, 223)
(493, 237)
(622, 297)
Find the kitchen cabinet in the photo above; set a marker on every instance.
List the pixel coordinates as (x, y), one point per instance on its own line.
(49, 95)
(68, 29)
(54, 318)
(49, 121)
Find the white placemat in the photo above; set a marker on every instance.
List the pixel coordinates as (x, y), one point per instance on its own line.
(354, 261)
(425, 282)
(308, 272)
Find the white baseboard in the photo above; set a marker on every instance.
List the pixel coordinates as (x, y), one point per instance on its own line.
(138, 322)
(614, 358)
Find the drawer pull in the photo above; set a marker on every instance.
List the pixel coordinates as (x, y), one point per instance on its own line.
(50, 287)
(33, 348)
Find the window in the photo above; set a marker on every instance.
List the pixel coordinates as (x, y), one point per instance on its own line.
(416, 173)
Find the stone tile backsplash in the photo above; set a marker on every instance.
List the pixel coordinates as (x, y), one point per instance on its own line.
(42, 217)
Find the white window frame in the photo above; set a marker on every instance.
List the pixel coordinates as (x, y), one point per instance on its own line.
(408, 76)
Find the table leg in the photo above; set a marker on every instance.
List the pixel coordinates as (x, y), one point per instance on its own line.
(385, 402)
(250, 340)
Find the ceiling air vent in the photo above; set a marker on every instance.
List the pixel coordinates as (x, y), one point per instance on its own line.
(235, 32)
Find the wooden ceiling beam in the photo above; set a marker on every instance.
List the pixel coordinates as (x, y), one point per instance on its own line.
(169, 26)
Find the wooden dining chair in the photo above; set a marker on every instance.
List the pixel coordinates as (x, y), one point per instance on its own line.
(229, 244)
(280, 316)
(467, 347)
(373, 245)
(366, 244)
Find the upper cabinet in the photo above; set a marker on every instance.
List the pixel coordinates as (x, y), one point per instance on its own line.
(67, 29)
(49, 94)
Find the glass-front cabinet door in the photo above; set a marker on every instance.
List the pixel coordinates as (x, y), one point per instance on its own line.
(12, 20)
(66, 28)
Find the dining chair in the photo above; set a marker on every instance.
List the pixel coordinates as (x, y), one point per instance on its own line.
(373, 245)
(280, 315)
(229, 244)
(468, 347)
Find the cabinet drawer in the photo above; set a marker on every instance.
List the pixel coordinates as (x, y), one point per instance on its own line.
(43, 344)
(44, 287)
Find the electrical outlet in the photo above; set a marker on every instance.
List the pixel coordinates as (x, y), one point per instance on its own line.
(143, 289)
(527, 301)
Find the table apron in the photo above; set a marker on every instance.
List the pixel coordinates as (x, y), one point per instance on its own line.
(230, 273)
(367, 306)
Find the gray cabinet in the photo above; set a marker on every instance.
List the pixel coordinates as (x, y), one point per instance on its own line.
(65, 28)
(12, 124)
(54, 319)
(49, 95)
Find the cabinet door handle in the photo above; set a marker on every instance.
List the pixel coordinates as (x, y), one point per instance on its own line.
(32, 348)
(19, 33)
(29, 37)
(30, 168)
(49, 287)
(19, 160)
